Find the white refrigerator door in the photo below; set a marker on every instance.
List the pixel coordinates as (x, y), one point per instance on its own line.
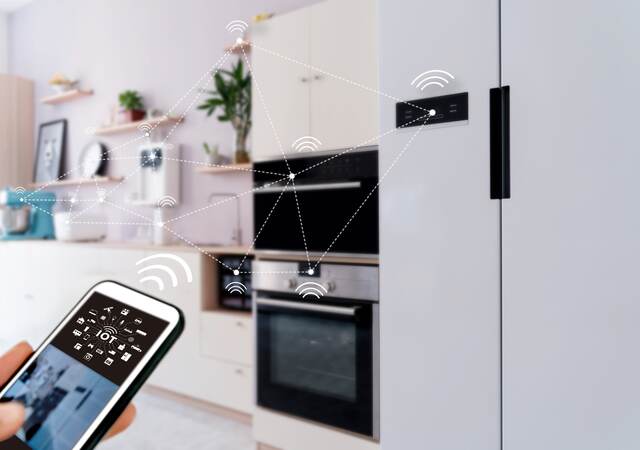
(572, 227)
(439, 304)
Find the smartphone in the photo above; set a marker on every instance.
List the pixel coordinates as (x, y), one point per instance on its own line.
(78, 382)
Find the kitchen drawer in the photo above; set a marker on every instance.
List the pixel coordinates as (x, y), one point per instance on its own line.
(230, 385)
(227, 336)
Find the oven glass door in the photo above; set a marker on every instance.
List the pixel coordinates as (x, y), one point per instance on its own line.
(315, 361)
(341, 217)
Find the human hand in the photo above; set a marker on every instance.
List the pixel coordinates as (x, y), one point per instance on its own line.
(12, 414)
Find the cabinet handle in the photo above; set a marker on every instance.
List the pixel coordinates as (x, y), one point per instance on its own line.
(239, 324)
(317, 77)
(239, 372)
(304, 79)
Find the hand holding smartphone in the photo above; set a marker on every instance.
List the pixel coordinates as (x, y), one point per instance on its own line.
(78, 382)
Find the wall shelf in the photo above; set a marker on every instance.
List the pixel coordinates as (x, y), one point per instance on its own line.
(77, 182)
(238, 48)
(212, 170)
(66, 96)
(133, 126)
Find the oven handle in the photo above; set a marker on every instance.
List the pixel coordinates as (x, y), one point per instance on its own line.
(312, 187)
(345, 311)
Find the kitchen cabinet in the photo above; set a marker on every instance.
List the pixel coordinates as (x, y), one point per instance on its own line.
(16, 130)
(280, 78)
(226, 336)
(316, 70)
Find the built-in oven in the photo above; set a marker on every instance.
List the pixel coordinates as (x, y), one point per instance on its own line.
(317, 343)
(329, 204)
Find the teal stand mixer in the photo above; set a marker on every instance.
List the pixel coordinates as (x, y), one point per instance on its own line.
(26, 214)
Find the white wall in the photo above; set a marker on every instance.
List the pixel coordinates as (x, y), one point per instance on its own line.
(159, 47)
(439, 307)
(4, 47)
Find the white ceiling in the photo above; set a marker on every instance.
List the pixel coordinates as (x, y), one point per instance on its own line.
(12, 5)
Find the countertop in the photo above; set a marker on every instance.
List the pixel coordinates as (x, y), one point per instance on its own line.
(208, 248)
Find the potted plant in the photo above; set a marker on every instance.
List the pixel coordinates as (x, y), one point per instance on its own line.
(132, 106)
(232, 94)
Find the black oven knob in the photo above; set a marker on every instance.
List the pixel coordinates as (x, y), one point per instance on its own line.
(331, 286)
(290, 283)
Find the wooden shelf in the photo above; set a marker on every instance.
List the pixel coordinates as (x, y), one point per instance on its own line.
(66, 96)
(238, 49)
(133, 126)
(77, 182)
(245, 168)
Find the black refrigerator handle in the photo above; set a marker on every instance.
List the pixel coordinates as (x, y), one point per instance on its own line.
(499, 142)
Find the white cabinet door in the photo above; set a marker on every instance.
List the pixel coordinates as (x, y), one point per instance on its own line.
(344, 83)
(279, 59)
(571, 228)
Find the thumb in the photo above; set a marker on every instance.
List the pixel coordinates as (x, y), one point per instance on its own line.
(11, 419)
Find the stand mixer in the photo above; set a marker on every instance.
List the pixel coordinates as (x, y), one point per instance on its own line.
(26, 215)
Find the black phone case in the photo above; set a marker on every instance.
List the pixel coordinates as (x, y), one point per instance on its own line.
(137, 383)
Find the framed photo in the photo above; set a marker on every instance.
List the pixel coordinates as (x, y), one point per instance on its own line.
(52, 138)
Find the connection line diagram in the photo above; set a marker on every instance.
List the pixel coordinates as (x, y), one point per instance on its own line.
(286, 181)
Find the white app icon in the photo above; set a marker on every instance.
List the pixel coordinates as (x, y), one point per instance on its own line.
(124, 312)
(99, 351)
(108, 309)
(126, 356)
(77, 346)
(77, 333)
(137, 321)
(88, 356)
(108, 361)
(121, 347)
(80, 321)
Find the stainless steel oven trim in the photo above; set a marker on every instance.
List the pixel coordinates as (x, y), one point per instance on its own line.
(312, 255)
(310, 187)
(341, 310)
(336, 152)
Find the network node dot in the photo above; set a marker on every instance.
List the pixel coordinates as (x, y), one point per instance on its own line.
(239, 41)
(147, 134)
(292, 176)
(432, 112)
(236, 272)
(159, 224)
(310, 271)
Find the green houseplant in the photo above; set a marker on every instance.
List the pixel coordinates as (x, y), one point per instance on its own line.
(131, 106)
(232, 95)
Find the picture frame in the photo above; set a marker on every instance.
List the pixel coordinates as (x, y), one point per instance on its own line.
(52, 140)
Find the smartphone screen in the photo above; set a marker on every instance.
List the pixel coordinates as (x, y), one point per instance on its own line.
(75, 376)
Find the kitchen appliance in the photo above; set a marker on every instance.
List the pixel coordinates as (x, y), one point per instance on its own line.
(335, 198)
(26, 215)
(234, 291)
(159, 180)
(317, 343)
(92, 227)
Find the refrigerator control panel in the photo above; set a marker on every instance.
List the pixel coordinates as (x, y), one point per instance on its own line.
(433, 110)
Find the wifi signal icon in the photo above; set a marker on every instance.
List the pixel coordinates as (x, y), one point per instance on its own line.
(235, 287)
(164, 270)
(434, 77)
(311, 288)
(167, 202)
(237, 26)
(145, 128)
(19, 190)
(306, 143)
(109, 329)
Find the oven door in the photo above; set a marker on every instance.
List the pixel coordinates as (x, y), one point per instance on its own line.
(316, 361)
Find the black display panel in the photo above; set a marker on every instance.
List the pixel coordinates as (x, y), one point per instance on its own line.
(433, 110)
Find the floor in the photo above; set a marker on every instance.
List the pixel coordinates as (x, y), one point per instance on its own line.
(164, 422)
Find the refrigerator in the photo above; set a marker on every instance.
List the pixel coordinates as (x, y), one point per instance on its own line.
(509, 295)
